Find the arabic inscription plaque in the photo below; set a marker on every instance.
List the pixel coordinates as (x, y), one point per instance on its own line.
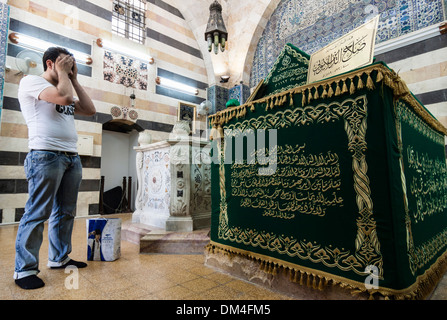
(353, 50)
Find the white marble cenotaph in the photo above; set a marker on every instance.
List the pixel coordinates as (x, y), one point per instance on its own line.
(174, 181)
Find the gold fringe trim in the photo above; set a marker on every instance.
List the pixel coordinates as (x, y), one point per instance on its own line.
(384, 75)
(319, 280)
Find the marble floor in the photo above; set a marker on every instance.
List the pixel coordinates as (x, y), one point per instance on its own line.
(134, 276)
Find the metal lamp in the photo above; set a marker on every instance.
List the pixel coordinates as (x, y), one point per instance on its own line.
(216, 33)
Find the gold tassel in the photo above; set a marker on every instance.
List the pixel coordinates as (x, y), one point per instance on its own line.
(303, 102)
(324, 94)
(275, 270)
(352, 87)
(321, 284)
(309, 96)
(213, 133)
(220, 132)
(314, 282)
(337, 90)
(294, 276)
(291, 99)
(302, 278)
(360, 83)
(330, 92)
(283, 99)
(243, 111)
(309, 281)
(252, 107)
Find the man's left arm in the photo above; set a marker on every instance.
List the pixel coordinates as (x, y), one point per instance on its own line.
(84, 105)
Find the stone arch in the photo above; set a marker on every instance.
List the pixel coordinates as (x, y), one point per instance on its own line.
(264, 19)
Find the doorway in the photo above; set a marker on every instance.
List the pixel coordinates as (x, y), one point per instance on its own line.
(118, 165)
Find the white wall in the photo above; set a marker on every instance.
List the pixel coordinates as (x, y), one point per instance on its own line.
(133, 142)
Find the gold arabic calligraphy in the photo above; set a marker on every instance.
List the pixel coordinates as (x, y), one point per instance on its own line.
(428, 184)
(343, 54)
(302, 183)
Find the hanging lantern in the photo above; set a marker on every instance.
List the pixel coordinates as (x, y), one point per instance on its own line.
(216, 34)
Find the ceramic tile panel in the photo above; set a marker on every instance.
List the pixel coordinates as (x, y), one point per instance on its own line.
(4, 22)
(240, 92)
(124, 70)
(218, 96)
(309, 25)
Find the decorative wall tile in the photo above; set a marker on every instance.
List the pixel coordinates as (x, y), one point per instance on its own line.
(309, 25)
(218, 96)
(240, 92)
(123, 70)
(4, 22)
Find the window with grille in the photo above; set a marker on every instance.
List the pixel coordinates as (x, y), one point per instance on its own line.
(128, 19)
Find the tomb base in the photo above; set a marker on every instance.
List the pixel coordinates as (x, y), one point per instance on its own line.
(251, 270)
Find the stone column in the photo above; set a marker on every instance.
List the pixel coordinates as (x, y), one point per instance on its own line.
(180, 216)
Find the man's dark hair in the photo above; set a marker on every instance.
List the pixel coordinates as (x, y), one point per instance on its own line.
(52, 54)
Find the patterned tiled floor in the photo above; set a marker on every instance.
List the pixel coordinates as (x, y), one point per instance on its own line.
(134, 276)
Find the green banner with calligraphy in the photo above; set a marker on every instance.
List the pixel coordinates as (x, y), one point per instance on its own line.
(336, 181)
(289, 71)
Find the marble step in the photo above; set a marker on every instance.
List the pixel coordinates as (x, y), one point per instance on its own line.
(164, 242)
(158, 241)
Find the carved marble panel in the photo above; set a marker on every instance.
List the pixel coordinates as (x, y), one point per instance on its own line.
(157, 180)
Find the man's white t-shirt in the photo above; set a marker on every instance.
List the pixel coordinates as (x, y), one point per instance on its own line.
(50, 126)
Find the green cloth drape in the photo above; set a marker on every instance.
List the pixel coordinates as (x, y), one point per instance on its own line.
(356, 183)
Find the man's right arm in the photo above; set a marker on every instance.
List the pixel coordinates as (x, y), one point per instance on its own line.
(62, 94)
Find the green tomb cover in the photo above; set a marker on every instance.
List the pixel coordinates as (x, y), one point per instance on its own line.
(289, 71)
(358, 184)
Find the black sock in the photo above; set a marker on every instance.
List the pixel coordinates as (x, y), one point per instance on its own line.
(30, 282)
(77, 264)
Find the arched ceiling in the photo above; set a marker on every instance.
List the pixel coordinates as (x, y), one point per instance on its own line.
(245, 22)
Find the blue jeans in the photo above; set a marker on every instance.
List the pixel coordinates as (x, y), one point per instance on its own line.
(53, 185)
